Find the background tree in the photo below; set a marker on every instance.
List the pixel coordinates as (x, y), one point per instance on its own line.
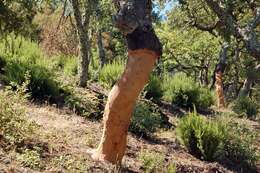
(82, 23)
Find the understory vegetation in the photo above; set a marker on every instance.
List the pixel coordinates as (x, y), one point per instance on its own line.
(48, 121)
(218, 139)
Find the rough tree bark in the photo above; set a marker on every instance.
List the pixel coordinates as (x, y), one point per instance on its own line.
(134, 21)
(251, 77)
(100, 46)
(82, 26)
(247, 34)
(101, 50)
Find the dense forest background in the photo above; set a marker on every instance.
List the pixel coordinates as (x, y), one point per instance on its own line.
(198, 113)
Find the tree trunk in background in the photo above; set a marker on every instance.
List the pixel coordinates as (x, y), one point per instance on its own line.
(133, 20)
(100, 46)
(246, 87)
(82, 29)
(220, 90)
(101, 51)
(218, 76)
(251, 77)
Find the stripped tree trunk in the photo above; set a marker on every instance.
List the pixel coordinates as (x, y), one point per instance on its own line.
(218, 76)
(220, 90)
(133, 20)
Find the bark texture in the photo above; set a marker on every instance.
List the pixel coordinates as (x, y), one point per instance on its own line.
(251, 78)
(101, 50)
(100, 45)
(84, 43)
(133, 20)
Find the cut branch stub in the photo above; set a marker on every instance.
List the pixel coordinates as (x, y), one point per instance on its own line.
(133, 19)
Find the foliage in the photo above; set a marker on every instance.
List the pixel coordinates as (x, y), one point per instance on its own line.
(41, 84)
(244, 106)
(238, 144)
(183, 91)
(110, 73)
(218, 140)
(152, 161)
(27, 63)
(30, 158)
(14, 127)
(191, 51)
(202, 138)
(68, 64)
(171, 168)
(154, 88)
(71, 66)
(147, 118)
(17, 16)
(82, 102)
(58, 33)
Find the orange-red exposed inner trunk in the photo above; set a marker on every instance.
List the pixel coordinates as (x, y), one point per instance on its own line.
(120, 105)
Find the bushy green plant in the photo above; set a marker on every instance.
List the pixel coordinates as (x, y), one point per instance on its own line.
(171, 168)
(152, 161)
(154, 88)
(110, 73)
(244, 106)
(71, 66)
(185, 92)
(238, 145)
(41, 82)
(83, 103)
(146, 118)
(25, 58)
(30, 158)
(202, 138)
(13, 125)
(19, 46)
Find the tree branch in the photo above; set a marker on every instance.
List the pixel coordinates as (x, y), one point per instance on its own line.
(247, 34)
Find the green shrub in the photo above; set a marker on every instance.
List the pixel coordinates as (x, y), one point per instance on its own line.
(30, 158)
(20, 47)
(238, 145)
(41, 83)
(171, 168)
(110, 73)
(202, 138)
(218, 139)
(154, 88)
(146, 118)
(152, 161)
(14, 127)
(71, 66)
(23, 59)
(83, 103)
(245, 107)
(183, 91)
